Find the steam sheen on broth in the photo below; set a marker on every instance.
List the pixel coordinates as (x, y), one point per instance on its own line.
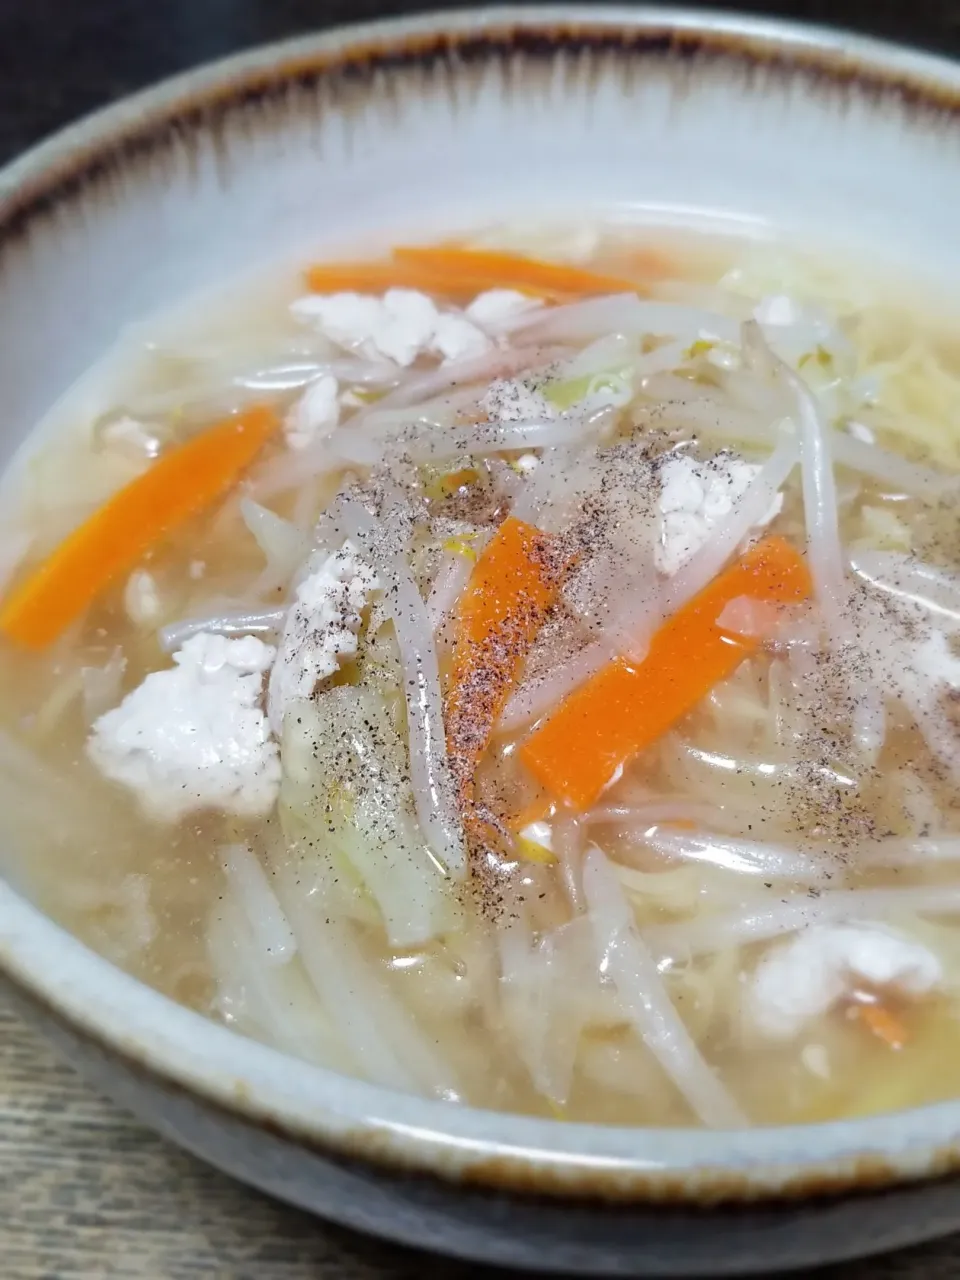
(524, 681)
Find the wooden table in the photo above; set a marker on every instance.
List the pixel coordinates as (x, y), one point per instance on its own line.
(86, 1193)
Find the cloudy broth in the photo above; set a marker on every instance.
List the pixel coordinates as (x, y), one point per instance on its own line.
(752, 915)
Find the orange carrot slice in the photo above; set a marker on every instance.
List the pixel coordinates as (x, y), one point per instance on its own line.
(626, 706)
(459, 273)
(490, 269)
(513, 585)
(377, 277)
(370, 277)
(113, 539)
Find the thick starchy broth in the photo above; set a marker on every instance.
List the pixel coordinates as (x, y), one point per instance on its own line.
(558, 708)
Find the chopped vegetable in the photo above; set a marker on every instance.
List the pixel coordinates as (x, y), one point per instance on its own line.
(534, 843)
(460, 273)
(820, 354)
(491, 269)
(441, 484)
(462, 545)
(112, 540)
(347, 803)
(513, 585)
(397, 273)
(886, 1026)
(702, 347)
(626, 706)
(564, 395)
(367, 277)
(532, 831)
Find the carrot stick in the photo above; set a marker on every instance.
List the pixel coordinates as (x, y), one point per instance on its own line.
(489, 269)
(513, 585)
(460, 273)
(114, 538)
(626, 706)
(377, 277)
(372, 277)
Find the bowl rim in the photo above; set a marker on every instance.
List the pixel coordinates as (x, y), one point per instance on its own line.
(321, 1110)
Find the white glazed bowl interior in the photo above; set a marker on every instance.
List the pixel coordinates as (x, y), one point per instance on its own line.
(124, 215)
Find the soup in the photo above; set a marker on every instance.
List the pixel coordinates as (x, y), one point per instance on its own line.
(525, 681)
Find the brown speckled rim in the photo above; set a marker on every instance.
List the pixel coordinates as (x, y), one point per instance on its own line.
(234, 92)
(178, 1050)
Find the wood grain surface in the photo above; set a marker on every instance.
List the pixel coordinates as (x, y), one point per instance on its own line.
(86, 1193)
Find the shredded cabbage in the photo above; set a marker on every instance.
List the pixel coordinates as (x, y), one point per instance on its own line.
(274, 1003)
(285, 547)
(346, 783)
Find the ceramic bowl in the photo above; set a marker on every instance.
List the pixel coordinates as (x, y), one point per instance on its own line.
(436, 123)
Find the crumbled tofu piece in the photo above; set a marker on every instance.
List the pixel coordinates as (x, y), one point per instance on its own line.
(409, 327)
(141, 599)
(694, 498)
(321, 628)
(799, 980)
(131, 437)
(491, 309)
(193, 736)
(509, 400)
(348, 319)
(314, 415)
(455, 338)
(399, 326)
